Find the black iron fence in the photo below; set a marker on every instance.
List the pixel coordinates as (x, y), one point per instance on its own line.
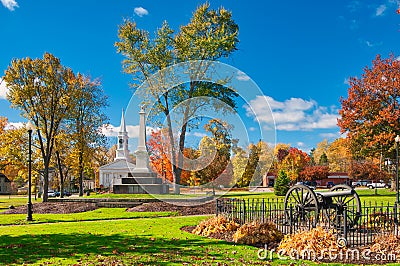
(348, 223)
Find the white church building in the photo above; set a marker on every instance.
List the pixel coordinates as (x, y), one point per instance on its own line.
(111, 174)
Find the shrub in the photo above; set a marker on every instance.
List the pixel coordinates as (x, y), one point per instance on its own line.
(257, 233)
(281, 186)
(218, 224)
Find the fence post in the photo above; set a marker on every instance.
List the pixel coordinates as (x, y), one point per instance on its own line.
(290, 218)
(345, 222)
(396, 221)
(244, 211)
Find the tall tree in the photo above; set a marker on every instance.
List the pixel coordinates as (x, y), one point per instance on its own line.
(281, 185)
(371, 113)
(251, 167)
(43, 90)
(210, 35)
(86, 120)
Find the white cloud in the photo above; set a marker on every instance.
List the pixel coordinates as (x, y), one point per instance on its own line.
(3, 89)
(14, 125)
(140, 11)
(199, 134)
(380, 10)
(9, 4)
(242, 76)
(300, 144)
(292, 114)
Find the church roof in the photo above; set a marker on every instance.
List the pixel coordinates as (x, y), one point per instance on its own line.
(118, 165)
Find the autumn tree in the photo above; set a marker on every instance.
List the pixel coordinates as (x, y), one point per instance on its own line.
(85, 121)
(294, 162)
(239, 162)
(43, 90)
(210, 35)
(370, 115)
(159, 158)
(315, 172)
(250, 169)
(320, 151)
(339, 155)
(217, 148)
(13, 154)
(367, 170)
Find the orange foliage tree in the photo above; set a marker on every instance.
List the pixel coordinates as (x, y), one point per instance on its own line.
(371, 114)
(160, 158)
(294, 162)
(315, 172)
(366, 170)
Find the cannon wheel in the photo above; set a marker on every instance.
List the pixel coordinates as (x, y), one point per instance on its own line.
(301, 205)
(353, 207)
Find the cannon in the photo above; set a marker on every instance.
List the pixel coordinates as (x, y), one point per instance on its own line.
(304, 206)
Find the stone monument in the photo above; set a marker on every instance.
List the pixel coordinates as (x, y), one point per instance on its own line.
(141, 179)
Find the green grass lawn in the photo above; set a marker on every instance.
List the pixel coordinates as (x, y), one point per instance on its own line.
(116, 237)
(6, 201)
(98, 214)
(145, 241)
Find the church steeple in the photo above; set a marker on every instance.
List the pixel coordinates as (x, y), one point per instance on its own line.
(122, 152)
(122, 128)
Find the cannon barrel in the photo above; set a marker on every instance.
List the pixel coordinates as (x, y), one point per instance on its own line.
(337, 193)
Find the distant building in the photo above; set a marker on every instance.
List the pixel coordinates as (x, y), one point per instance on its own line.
(334, 178)
(268, 180)
(5, 185)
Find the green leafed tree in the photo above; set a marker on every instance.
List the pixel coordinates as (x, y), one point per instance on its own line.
(210, 35)
(281, 185)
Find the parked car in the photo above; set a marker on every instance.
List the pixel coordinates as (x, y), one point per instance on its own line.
(361, 183)
(379, 184)
(67, 193)
(51, 194)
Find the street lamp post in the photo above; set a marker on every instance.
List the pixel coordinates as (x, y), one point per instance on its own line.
(397, 140)
(30, 128)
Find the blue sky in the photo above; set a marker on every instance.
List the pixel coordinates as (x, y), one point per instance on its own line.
(300, 53)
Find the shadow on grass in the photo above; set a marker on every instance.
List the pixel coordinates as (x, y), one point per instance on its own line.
(96, 248)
